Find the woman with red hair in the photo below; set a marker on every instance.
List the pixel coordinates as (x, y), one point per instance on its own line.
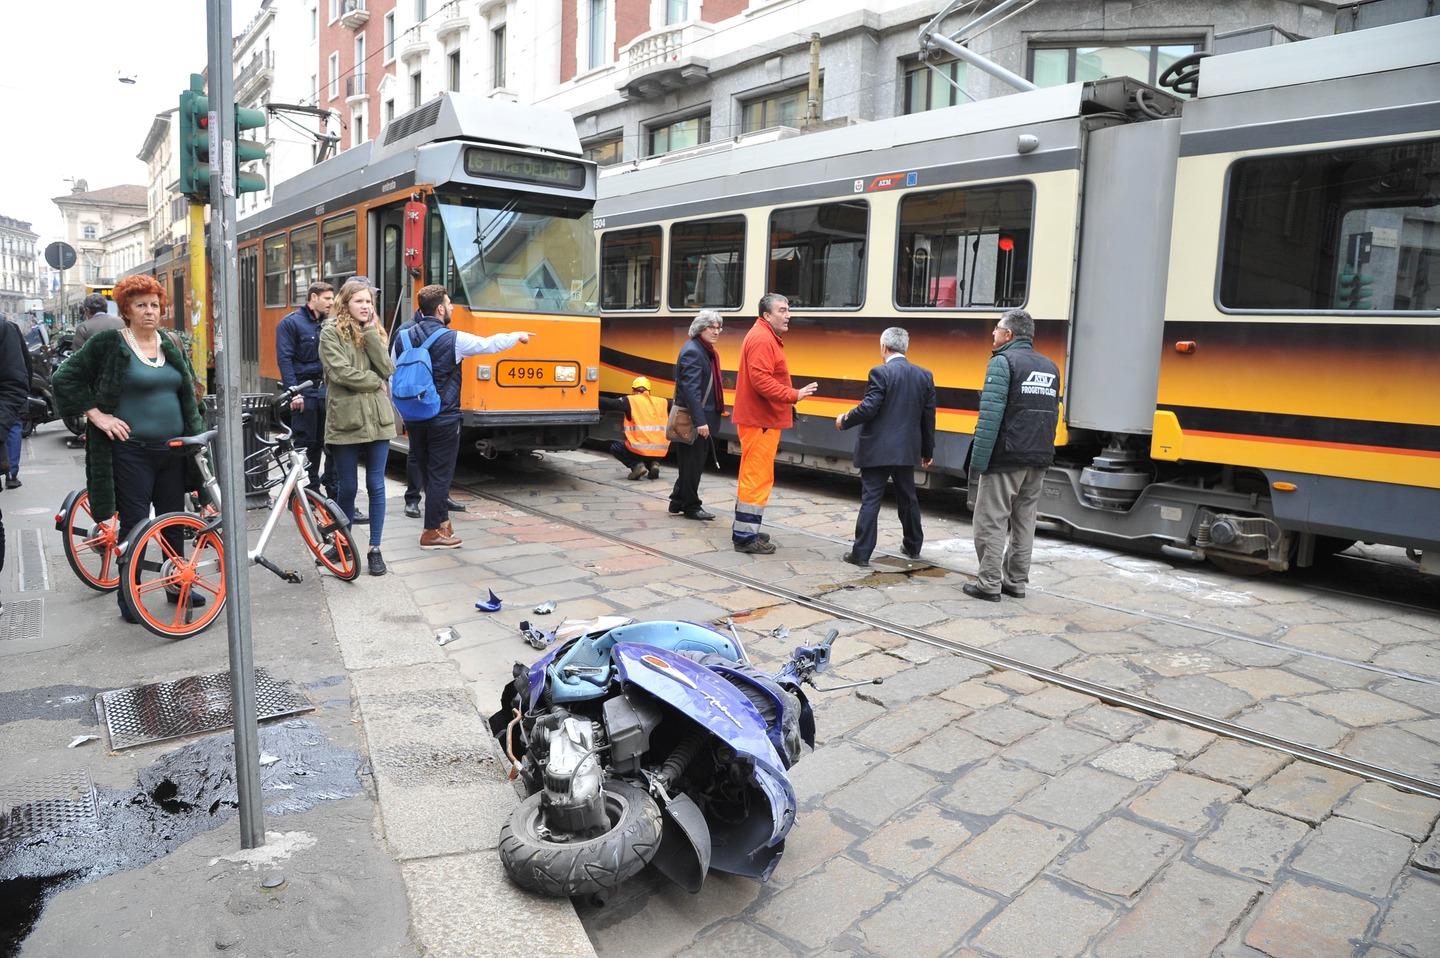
(135, 388)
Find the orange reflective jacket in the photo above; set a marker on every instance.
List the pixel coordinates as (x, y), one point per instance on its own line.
(645, 426)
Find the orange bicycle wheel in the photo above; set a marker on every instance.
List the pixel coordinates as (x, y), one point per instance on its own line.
(92, 547)
(164, 586)
(326, 534)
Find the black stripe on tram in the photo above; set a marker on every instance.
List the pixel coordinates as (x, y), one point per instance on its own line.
(1357, 432)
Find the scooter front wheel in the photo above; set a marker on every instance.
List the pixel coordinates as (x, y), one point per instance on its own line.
(538, 862)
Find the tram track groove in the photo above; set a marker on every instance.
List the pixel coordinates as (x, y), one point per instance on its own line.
(1111, 696)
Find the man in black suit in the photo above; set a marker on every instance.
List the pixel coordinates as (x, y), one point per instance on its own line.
(897, 420)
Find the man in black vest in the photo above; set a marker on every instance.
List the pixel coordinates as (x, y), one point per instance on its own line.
(435, 442)
(1014, 445)
(898, 434)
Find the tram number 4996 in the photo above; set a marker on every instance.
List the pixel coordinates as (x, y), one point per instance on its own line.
(532, 373)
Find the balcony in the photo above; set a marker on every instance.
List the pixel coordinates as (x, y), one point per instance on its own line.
(257, 72)
(355, 89)
(412, 45)
(449, 20)
(353, 14)
(663, 60)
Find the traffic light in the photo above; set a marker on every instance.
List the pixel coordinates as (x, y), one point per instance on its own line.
(195, 141)
(247, 151)
(1354, 290)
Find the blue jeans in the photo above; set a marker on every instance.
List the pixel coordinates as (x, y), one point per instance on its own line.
(348, 458)
(12, 449)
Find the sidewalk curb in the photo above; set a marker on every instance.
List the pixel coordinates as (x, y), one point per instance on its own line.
(439, 782)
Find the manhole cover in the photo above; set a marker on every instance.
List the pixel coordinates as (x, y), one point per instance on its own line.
(33, 573)
(190, 706)
(24, 619)
(46, 804)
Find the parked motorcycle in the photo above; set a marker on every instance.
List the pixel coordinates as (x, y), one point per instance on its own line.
(41, 407)
(641, 742)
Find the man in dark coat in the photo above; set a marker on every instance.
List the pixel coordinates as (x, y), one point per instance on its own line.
(699, 390)
(897, 420)
(297, 353)
(14, 394)
(1014, 446)
(97, 318)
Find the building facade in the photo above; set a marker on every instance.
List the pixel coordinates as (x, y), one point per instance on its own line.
(356, 41)
(90, 217)
(18, 256)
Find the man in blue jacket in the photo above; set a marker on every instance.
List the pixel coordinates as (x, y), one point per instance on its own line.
(897, 433)
(297, 353)
(1014, 446)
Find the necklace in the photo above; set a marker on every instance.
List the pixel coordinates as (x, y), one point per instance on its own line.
(155, 363)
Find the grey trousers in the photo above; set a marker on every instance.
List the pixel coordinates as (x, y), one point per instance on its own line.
(1005, 509)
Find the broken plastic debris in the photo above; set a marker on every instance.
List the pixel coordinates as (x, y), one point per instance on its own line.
(267, 759)
(82, 739)
(780, 632)
(492, 605)
(446, 635)
(281, 786)
(544, 608)
(535, 638)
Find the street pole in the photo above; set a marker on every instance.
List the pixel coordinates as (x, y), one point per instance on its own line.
(199, 312)
(232, 454)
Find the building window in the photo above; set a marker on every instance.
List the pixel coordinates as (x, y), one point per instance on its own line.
(497, 57)
(707, 263)
(1352, 230)
(359, 78)
(933, 87)
(304, 250)
(817, 254)
(314, 88)
(390, 36)
(357, 127)
(334, 75)
(676, 11)
(630, 269)
(275, 270)
(415, 89)
(314, 24)
(1052, 66)
(680, 135)
(389, 111)
(339, 250)
(90, 232)
(965, 248)
(779, 109)
(453, 60)
(596, 34)
(334, 10)
(606, 152)
(419, 11)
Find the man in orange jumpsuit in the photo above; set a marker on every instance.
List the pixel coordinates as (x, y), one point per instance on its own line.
(764, 405)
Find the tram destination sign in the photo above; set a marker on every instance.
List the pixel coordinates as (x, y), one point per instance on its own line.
(540, 170)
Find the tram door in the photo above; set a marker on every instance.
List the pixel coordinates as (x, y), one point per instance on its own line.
(396, 296)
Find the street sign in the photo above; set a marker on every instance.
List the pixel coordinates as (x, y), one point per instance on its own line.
(60, 255)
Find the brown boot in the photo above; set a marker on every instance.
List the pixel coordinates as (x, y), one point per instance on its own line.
(449, 531)
(438, 539)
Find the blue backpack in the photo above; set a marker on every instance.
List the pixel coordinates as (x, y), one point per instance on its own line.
(412, 385)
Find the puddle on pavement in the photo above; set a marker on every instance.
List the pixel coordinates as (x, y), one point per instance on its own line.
(185, 792)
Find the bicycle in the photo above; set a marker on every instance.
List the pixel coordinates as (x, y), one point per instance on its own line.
(91, 546)
(159, 580)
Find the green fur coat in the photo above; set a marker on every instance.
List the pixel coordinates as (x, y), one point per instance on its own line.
(93, 378)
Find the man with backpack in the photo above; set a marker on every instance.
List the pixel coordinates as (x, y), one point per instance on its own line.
(426, 391)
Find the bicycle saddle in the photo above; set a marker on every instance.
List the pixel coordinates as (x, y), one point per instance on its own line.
(187, 442)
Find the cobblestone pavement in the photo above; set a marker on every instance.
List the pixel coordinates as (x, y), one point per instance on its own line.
(959, 810)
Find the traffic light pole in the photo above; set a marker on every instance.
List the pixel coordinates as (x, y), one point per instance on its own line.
(199, 302)
(225, 287)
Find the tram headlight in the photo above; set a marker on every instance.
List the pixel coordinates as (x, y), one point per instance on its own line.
(482, 373)
(592, 374)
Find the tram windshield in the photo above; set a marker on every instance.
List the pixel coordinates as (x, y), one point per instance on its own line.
(513, 252)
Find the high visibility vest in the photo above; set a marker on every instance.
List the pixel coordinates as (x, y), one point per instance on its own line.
(645, 426)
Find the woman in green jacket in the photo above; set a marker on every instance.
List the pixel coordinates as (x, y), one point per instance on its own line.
(359, 421)
(135, 388)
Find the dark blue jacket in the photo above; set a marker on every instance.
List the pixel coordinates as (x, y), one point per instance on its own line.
(443, 367)
(896, 417)
(694, 381)
(297, 350)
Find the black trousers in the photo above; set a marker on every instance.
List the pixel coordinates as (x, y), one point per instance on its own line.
(308, 424)
(689, 466)
(414, 485)
(872, 490)
(146, 476)
(435, 444)
(628, 458)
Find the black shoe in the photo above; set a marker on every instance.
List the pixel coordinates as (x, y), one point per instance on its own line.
(755, 547)
(850, 558)
(197, 601)
(452, 506)
(975, 592)
(1013, 591)
(332, 556)
(700, 514)
(911, 555)
(361, 519)
(377, 562)
(412, 510)
(637, 471)
(763, 536)
(654, 471)
(125, 616)
(675, 510)
(13, 482)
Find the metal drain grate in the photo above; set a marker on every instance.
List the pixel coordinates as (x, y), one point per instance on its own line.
(60, 802)
(33, 572)
(190, 706)
(23, 620)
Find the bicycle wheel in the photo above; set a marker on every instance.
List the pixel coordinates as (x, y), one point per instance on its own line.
(91, 547)
(159, 581)
(326, 533)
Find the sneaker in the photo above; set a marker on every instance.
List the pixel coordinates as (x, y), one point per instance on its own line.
(13, 482)
(361, 519)
(377, 562)
(637, 471)
(438, 539)
(654, 470)
(1013, 591)
(975, 592)
(755, 547)
(412, 510)
(332, 556)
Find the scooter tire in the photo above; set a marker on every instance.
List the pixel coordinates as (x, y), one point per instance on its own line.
(562, 869)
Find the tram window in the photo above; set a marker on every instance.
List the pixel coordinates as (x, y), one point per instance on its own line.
(965, 248)
(817, 254)
(1337, 230)
(304, 262)
(707, 264)
(630, 269)
(275, 267)
(339, 249)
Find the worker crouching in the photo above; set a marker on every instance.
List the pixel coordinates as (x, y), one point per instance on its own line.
(645, 443)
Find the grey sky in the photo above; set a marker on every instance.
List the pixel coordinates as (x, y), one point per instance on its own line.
(65, 112)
